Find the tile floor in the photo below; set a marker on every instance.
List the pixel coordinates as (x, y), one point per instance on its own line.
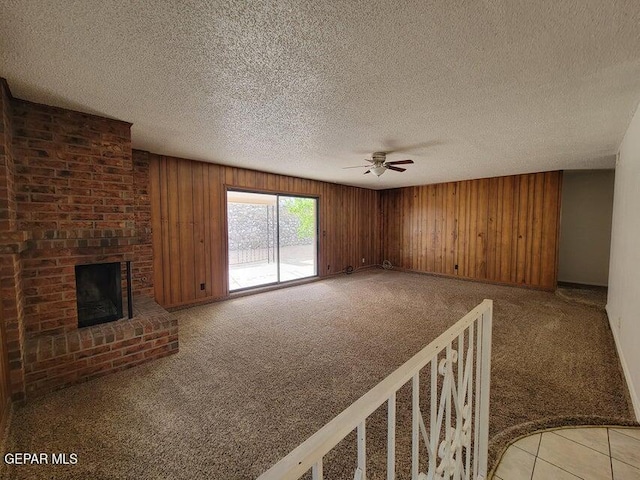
(588, 453)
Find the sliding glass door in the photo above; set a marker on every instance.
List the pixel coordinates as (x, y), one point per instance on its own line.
(297, 237)
(271, 238)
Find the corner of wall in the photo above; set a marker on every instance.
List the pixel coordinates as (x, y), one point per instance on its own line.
(12, 243)
(635, 398)
(623, 302)
(143, 266)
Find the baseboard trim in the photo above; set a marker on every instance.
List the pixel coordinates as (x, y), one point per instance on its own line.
(586, 286)
(635, 399)
(477, 280)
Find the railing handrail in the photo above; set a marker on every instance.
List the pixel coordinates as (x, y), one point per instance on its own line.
(302, 458)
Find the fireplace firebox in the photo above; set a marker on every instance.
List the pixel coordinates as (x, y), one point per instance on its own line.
(99, 293)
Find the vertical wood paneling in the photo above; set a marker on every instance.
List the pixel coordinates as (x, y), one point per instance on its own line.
(521, 245)
(500, 229)
(189, 225)
(536, 242)
(218, 228)
(461, 213)
(173, 233)
(185, 229)
(550, 229)
(505, 247)
(198, 229)
(390, 227)
(515, 212)
(208, 246)
(529, 230)
(468, 232)
(482, 225)
(438, 239)
(468, 254)
(495, 195)
(451, 229)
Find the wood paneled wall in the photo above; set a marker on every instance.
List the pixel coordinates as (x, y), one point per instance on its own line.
(501, 229)
(189, 225)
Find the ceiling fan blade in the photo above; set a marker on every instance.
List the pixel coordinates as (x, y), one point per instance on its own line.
(399, 162)
(357, 166)
(397, 169)
(367, 172)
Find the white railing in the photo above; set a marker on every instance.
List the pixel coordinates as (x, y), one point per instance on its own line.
(459, 450)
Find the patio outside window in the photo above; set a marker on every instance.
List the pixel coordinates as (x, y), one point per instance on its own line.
(271, 238)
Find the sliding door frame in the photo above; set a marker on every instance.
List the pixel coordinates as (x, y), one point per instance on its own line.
(277, 194)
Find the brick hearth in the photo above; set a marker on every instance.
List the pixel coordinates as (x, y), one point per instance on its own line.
(54, 361)
(72, 192)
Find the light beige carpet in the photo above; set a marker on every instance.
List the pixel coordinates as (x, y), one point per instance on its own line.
(257, 375)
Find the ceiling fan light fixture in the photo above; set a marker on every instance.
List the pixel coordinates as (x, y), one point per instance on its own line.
(378, 164)
(379, 170)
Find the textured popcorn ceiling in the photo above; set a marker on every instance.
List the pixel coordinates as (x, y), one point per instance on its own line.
(305, 88)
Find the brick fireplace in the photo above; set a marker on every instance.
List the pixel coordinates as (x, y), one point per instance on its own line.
(74, 195)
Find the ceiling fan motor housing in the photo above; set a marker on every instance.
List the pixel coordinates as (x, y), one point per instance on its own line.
(379, 157)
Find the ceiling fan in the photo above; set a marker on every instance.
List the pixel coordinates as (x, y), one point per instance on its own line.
(379, 164)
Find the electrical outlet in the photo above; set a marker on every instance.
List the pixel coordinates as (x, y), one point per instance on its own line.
(618, 324)
(362, 259)
(202, 286)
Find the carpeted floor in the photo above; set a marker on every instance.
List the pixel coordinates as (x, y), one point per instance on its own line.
(257, 375)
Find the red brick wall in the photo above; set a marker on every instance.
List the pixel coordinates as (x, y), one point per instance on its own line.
(7, 195)
(143, 252)
(72, 192)
(78, 195)
(10, 262)
(13, 316)
(74, 174)
(55, 361)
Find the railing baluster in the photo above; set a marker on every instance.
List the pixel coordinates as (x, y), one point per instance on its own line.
(447, 423)
(362, 450)
(433, 420)
(391, 438)
(484, 392)
(459, 407)
(469, 400)
(471, 421)
(415, 426)
(316, 471)
(476, 415)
